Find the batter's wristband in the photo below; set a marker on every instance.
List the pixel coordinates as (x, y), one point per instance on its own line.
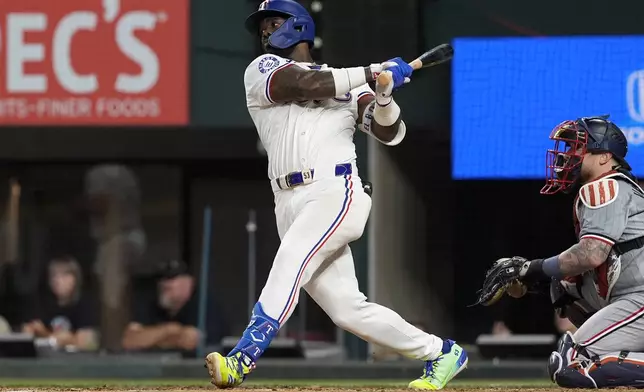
(387, 115)
(346, 79)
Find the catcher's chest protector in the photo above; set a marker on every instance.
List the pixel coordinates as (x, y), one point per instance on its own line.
(611, 209)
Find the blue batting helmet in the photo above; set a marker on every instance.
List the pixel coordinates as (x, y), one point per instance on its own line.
(298, 27)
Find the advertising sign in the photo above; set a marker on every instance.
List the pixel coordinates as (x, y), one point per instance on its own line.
(94, 62)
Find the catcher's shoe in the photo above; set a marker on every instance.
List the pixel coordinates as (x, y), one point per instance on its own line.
(227, 372)
(440, 371)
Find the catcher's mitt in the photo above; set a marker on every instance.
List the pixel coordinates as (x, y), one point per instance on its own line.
(503, 273)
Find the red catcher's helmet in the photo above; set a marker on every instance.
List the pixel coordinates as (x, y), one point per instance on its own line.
(573, 139)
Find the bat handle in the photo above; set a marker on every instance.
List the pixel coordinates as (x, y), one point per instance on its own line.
(384, 78)
(416, 64)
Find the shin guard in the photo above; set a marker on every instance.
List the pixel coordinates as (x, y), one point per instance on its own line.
(567, 366)
(257, 336)
(623, 369)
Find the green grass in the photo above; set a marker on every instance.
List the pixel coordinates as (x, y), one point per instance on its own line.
(90, 383)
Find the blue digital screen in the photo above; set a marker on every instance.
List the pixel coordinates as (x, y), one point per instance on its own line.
(509, 93)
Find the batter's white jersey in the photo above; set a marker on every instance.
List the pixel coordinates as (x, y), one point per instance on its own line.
(300, 135)
(316, 222)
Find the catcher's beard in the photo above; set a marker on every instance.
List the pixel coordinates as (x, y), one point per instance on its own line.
(569, 178)
(575, 177)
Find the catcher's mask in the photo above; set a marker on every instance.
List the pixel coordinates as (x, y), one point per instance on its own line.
(573, 140)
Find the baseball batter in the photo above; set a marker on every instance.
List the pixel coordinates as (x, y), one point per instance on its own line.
(599, 282)
(306, 115)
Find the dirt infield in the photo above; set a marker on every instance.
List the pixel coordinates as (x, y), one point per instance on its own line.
(160, 385)
(260, 389)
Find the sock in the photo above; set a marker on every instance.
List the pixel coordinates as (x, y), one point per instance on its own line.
(257, 336)
(447, 346)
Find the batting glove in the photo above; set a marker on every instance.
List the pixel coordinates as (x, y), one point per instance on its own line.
(400, 70)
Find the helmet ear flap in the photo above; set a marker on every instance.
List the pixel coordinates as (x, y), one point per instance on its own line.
(281, 38)
(290, 32)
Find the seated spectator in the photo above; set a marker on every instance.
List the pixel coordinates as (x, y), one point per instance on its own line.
(561, 324)
(5, 327)
(169, 321)
(64, 312)
(499, 328)
(13, 294)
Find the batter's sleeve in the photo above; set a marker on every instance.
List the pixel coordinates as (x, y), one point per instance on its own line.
(258, 76)
(362, 91)
(603, 210)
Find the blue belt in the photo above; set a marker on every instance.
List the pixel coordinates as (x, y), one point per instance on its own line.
(296, 178)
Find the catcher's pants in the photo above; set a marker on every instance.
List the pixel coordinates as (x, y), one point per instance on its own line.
(617, 327)
(316, 222)
(607, 350)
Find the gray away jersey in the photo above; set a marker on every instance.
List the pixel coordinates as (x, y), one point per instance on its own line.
(611, 209)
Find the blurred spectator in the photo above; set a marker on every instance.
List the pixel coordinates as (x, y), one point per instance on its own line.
(64, 311)
(499, 328)
(13, 284)
(531, 314)
(5, 328)
(12, 295)
(562, 325)
(115, 217)
(169, 321)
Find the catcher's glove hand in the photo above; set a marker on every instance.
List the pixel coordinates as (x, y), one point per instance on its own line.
(503, 273)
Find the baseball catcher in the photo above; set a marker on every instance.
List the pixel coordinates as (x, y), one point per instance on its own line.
(599, 282)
